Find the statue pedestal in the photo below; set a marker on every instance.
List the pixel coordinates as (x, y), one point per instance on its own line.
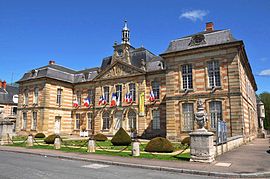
(202, 146)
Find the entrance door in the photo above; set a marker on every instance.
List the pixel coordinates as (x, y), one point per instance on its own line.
(57, 125)
(117, 121)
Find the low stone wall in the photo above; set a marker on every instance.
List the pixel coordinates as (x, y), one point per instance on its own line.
(232, 143)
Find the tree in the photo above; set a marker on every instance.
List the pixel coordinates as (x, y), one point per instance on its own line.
(265, 97)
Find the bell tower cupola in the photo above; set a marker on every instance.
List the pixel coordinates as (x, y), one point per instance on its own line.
(125, 34)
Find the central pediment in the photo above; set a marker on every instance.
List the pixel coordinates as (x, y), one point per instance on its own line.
(119, 69)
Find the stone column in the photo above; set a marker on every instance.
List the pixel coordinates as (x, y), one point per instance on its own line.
(30, 141)
(57, 143)
(202, 146)
(135, 148)
(91, 146)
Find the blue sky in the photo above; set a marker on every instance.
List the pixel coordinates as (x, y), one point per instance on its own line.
(79, 33)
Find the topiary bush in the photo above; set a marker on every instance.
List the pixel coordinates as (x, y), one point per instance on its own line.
(50, 139)
(40, 135)
(159, 144)
(100, 137)
(121, 138)
(186, 141)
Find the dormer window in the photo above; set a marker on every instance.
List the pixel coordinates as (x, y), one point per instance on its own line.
(197, 40)
(34, 73)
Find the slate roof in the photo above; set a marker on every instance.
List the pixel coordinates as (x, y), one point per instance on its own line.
(6, 95)
(214, 37)
(137, 54)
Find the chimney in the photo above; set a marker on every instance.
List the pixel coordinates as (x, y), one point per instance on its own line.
(0, 83)
(4, 84)
(51, 62)
(209, 26)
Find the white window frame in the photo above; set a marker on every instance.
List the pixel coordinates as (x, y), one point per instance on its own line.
(36, 91)
(132, 91)
(89, 121)
(119, 92)
(59, 96)
(214, 78)
(187, 81)
(156, 119)
(132, 119)
(34, 121)
(106, 93)
(156, 89)
(188, 116)
(25, 97)
(77, 121)
(215, 110)
(24, 120)
(105, 121)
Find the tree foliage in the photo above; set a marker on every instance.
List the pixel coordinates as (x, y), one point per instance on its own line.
(265, 97)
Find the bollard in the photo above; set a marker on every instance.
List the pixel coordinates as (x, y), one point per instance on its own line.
(91, 146)
(30, 141)
(57, 143)
(135, 148)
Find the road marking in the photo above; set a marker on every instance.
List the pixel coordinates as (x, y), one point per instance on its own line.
(220, 164)
(95, 166)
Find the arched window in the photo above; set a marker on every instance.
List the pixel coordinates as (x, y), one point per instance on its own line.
(132, 119)
(106, 120)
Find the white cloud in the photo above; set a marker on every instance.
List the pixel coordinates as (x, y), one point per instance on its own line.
(194, 15)
(265, 73)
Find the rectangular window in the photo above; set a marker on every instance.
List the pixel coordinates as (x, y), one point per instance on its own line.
(215, 113)
(214, 74)
(26, 99)
(91, 96)
(187, 76)
(14, 111)
(155, 88)
(34, 123)
(89, 121)
(77, 122)
(36, 96)
(119, 95)
(24, 121)
(132, 91)
(188, 116)
(156, 119)
(106, 92)
(59, 96)
(79, 97)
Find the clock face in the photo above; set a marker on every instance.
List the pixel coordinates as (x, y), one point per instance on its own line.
(120, 52)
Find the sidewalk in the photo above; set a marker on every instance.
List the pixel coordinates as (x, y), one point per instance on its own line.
(247, 161)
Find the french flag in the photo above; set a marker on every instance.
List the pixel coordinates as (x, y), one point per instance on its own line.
(114, 100)
(128, 98)
(86, 102)
(101, 100)
(75, 104)
(152, 96)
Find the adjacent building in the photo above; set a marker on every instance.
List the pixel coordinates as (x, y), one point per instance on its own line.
(154, 95)
(8, 102)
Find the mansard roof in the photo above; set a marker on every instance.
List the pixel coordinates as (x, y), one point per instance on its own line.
(205, 38)
(6, 95)
(58, 72)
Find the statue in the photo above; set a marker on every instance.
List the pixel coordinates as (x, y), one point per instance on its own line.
(201, 115)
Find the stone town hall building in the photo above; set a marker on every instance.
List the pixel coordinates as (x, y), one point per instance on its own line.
(211, 65)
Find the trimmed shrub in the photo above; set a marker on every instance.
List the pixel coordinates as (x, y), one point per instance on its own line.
(186, 141)
(100, 137)
(50, 139)
(121, 138)
(159, 144)
(40, 135)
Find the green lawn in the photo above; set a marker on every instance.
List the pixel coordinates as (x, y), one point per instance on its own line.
(109, 146)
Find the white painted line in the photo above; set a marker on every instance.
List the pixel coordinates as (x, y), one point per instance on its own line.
(220, 164)
(95, 166)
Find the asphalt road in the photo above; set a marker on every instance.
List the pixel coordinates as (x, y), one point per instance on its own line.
(24, 166)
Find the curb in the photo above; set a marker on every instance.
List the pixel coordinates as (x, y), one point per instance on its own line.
(149, 167)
